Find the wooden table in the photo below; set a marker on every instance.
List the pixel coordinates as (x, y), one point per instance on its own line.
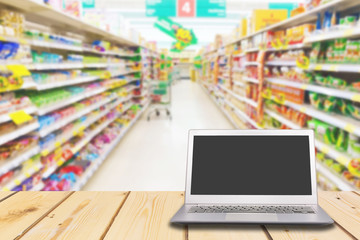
(146, 215)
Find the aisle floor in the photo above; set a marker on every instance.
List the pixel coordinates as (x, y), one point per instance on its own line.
(152, 156)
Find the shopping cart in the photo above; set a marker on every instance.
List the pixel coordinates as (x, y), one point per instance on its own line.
(160, 98)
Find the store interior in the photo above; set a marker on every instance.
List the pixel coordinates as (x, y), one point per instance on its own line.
(99, 95)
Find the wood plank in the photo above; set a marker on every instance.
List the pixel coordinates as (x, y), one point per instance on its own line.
(331, 232)
(222, 232)
(21, 211)
(84, 215)
(4, 195)
(344, 208)
(146, 215)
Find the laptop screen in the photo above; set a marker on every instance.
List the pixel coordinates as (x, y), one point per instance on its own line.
(251, 165)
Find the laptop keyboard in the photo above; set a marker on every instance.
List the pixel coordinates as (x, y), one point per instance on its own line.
(252, 209)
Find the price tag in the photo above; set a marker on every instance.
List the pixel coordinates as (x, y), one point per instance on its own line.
(75, 133)
(27, 174)
(17, 182)
(343, 160)
(45, 152)
(325, 149)
(303, 109)
(2, 38)
(348, 32)
(19, 70)
(334, 68)
(36, 168)
(59, 163)
(356, 98)
(20, 117)
(57, 144)
(6, 189)
(23, 41)
(318, 67)
(304, 86)
(350, 128)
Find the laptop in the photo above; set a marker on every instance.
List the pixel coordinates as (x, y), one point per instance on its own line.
(251, 177)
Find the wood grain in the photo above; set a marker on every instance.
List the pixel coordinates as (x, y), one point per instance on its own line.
(146, 215)
(331, 232)
(216, 232)
(22, 210)
(4, 195)
(84, 215)
(344, 208)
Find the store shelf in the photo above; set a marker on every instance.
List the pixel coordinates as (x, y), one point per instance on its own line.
(252, 80)
(6, 117)
(251, 64)
(243, 115)
(71, 100)
(335, 178)
(351, 68)
(282, 119)
(38, 187)
(22, 177)
(250, 50)
(96, 164)
(68, 82)
(7, 165)
(240, 84)
(77, 129)
(46, 15)
(220, 107)
(243, 99)
(45, 44)
(64, 122)
(80, 144)
(319, 89)
(329, 150)
(54, 66)
(289, 47)
(339, 121)
(306, 17)
(333, 34)
(281, 63)
(19, 132)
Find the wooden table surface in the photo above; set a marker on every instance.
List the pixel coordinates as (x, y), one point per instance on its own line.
(146, 215)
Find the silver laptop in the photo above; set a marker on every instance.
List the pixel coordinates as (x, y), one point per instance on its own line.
(251, 177)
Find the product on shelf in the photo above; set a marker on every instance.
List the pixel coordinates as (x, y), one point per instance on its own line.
(286, 93)
(336, 51)
(11, 23)
(51, 38)
(17, 147)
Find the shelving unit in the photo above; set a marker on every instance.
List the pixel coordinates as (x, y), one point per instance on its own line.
(253, 91)
(107, 81)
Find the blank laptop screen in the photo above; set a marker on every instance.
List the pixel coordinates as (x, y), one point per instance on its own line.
(251, 165)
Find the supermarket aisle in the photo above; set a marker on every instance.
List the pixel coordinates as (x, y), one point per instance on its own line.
(153, 154)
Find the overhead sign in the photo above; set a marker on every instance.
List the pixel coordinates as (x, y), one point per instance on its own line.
(186, 8)
(88, 3)
(184, 37)
(281, 5)
(211, 8)
(161, 8)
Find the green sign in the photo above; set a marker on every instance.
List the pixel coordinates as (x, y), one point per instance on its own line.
(176, 31)
(211, 8)
(161, 8)
(88, 3)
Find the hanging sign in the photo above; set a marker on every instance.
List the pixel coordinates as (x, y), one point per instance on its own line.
(88, 3)
(211, 8)
(161, 8)
(184, 37)
(186, 8)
